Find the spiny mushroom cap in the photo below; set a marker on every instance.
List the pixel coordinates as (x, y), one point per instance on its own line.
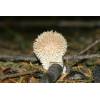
(50, 47)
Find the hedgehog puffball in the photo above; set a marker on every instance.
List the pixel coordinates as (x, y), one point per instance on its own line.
(50, 47)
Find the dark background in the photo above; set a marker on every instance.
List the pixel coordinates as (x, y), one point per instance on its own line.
(18, 33)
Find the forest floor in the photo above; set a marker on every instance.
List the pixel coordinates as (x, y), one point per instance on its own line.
(20, 44)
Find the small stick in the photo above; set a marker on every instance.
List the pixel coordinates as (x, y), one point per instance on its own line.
(33, 59)
(81, 57)
(18, 58)
(17, 75)
(89, 47)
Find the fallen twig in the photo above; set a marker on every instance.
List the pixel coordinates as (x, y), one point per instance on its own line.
(17, 75)
(34, 59)
(89, 47)
(81, 57)
(18, 58)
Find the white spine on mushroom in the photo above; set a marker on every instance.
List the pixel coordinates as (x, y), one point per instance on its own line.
(50, 47)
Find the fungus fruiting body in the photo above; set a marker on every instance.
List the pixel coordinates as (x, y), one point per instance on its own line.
(50, 47)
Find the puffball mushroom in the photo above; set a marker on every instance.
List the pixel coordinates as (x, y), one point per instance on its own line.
(50, 47)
